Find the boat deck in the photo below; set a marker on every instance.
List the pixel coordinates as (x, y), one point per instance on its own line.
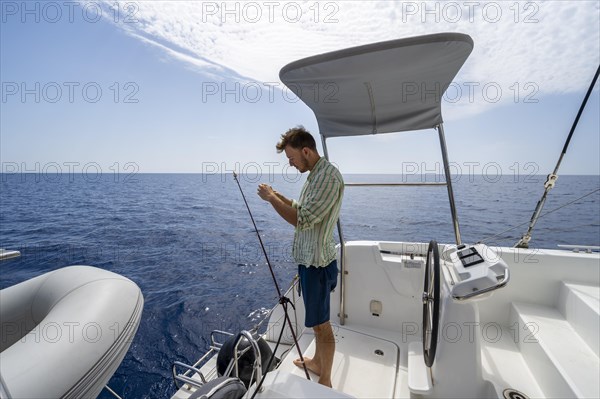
(364, 366)
(368, 364)
(497, 354)
(541, 341)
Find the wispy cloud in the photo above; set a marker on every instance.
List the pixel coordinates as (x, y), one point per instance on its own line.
(521, 48)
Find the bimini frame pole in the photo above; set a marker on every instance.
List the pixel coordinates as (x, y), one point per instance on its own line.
(342, 254)
(440, 129)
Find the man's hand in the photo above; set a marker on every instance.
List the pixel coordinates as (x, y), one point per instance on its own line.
(282, 205)
(266, 192)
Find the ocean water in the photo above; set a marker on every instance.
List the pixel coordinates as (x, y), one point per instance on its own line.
(188, 242)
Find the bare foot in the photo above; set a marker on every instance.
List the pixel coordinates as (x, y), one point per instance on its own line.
(311, 365)
(325, 382)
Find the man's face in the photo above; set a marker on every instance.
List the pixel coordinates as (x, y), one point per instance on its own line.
(297, 158)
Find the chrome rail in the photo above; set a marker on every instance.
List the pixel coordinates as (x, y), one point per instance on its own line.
(6, 254)
(393, 184)
(214, 342)
(184, 377)
(257, 358)
(342, 314)
(576, 248)
(440, 129)
(215, 346)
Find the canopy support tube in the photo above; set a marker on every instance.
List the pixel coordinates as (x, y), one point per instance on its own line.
(342, 314)
(440, 129)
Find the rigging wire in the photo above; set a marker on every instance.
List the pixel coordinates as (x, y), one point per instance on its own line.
(539, 216)
(551, 180)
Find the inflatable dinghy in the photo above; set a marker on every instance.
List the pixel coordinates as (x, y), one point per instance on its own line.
(65, 333)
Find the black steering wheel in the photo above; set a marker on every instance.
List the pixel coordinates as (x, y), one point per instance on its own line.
(431, 303)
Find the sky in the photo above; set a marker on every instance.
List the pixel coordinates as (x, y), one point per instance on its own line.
(193, 87)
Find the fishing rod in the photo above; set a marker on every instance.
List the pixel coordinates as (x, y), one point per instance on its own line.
(283, 300)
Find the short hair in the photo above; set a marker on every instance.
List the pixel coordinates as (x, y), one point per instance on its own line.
(298, 138)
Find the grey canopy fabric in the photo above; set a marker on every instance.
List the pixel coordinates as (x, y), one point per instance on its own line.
(385, 87)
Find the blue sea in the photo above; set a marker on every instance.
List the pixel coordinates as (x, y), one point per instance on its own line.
(188, 242)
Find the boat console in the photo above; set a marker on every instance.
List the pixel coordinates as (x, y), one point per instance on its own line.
(474, 272)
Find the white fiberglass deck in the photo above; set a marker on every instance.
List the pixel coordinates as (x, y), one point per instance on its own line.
(364, 366)
(538, 335)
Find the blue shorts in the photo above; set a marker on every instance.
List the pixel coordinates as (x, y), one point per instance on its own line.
(316, 284)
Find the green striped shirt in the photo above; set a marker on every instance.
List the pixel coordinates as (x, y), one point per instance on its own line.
(318, 210)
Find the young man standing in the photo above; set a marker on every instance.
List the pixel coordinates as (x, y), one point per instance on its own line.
(314, 216)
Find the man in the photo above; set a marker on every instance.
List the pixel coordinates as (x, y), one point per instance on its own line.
(314, 216)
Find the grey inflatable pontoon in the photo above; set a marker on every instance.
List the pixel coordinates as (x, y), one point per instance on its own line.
(65, 333)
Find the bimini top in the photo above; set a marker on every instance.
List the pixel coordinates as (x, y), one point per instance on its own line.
(385, 87)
